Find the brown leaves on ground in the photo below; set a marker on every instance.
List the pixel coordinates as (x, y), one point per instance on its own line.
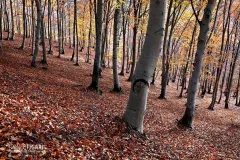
(49, 114)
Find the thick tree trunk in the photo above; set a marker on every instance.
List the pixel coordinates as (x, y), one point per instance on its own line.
(136, 107)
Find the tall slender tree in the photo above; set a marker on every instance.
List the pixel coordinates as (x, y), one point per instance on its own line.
(24, 24)
(187, 119)
(116, 86)
(97, 60)
(37, 34)
(12, 21)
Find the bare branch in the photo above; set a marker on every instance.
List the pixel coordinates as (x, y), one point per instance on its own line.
(195, 13)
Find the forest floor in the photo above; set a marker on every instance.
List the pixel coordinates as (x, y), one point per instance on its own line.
(48, 113)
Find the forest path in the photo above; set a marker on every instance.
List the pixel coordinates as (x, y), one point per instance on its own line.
(52, 107)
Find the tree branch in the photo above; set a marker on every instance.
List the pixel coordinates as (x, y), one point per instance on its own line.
(195, 13)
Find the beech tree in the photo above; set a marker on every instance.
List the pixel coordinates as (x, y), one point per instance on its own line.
(24, 24)
(136, 106)
(38, 31)
(116, 86)
(188, 116)
(97, 61)
(1, 16)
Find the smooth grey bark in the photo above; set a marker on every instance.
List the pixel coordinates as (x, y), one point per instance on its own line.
(136, 106)
(62, 14)
(24, 24)
(107, 17)
(1, 17)
(69, 25)
(50, 51)
(187, 119)
(59, 30)
(76, 32)
(7, 23)
(97, 60)
(37, 34)
(44, 60)
(116, 32)
(33, 26)
(164, 80)
(89, 34)
(12, 21)
(124, 28)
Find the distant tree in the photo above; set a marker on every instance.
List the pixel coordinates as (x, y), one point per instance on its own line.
(221, 59)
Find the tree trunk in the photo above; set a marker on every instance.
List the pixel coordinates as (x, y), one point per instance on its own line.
(116, 86)
(137, 8)
(97, 59)
(12, 21)
(24, 25)
(37, 34)
(44, 60)
(136, 107)
(89, 34)
(1, 29)
(164, 78)
(59, 30)
(76, 31)
(188, 116)
(124, 26)
(7, 23)
(50, 51)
